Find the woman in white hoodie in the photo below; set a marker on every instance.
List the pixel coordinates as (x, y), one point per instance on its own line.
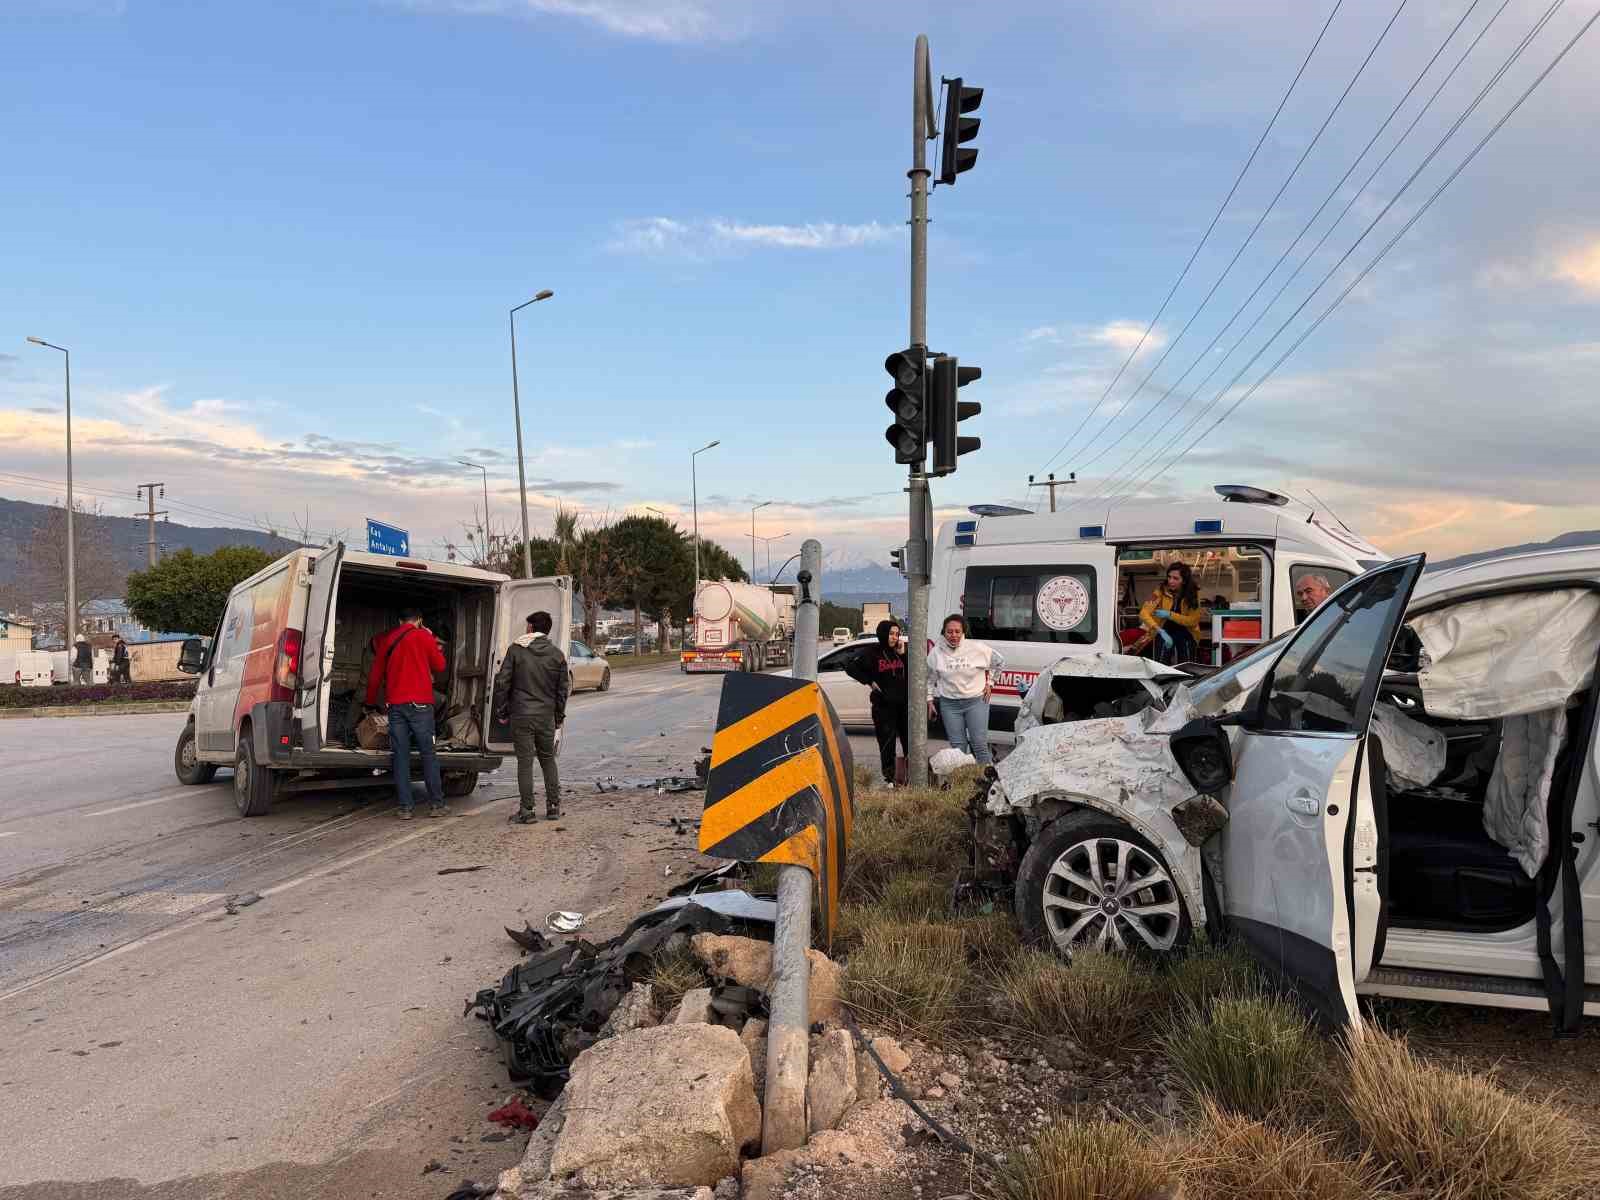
(961, 678)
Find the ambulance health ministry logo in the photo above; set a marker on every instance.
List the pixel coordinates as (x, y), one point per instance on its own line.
(1062, 602)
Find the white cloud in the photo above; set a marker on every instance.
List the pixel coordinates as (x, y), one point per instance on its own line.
(679, 21)
(1570, 261)
(667, 237)
(1123, 336)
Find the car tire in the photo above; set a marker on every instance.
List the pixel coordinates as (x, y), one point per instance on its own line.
(254, 787)
(1065, 903)
(605, 680)
(185, 765)
(459, 783)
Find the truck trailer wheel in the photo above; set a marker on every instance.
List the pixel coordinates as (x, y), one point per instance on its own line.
(253, 786)
(1091, 882)
(185, 765)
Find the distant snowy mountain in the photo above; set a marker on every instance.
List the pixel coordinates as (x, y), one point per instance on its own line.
(864, 577)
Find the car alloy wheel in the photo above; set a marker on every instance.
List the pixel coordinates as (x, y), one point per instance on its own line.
(1107, 893)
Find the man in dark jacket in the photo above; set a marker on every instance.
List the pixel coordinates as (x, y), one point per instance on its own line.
(407, 660)
(883, 669)
(120, 672)
(82, 661)
(530, 692)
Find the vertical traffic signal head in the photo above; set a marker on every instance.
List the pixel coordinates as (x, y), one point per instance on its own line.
(897, 559)
(953, 158)
(908, 401)
(946, 412)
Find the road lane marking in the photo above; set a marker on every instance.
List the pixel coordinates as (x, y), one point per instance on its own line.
(10, 833)
(106, 812)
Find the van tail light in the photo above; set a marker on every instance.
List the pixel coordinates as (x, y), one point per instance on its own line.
(286, 665)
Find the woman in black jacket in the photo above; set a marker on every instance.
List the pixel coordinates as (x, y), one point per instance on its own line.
(882, 668)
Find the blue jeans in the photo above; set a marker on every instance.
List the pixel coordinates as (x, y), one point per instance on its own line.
(407, 723)
(966, 726)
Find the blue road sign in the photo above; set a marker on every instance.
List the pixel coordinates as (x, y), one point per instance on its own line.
(387, 539)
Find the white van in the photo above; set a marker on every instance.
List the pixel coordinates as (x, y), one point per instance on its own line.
(1036, 586)
(282, 682)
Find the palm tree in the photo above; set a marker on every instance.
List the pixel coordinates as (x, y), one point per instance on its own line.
(565, 533)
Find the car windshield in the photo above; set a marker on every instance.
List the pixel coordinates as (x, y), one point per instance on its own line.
(1218, 693)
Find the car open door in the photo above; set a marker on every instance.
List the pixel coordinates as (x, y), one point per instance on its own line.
(1300, 850)
(317, 648)
(516, 599)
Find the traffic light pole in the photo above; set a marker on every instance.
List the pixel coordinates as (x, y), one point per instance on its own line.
(917, 549)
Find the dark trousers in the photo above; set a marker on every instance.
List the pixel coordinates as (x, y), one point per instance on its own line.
(1184, 647)
(413, 723)
(535, 739)
(890, 723)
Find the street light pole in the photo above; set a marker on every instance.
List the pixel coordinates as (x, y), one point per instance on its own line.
(72, 540)
(753, 512)
(467, 462)
(694, 499)
(516, 407)
(767, 542)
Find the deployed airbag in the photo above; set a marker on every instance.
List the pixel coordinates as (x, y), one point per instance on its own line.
(1514, 809)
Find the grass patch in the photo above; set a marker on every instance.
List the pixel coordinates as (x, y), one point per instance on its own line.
(1208, 971)
(911, 977)
(1251, 1054)
(672, 973)
(1455, 1134)
(1086, 1160)
(1225, 1156)
(625, 662)
(910, 831)
(993, 939)
(1098, 999)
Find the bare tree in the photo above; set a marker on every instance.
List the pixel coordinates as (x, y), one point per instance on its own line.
(42, 586)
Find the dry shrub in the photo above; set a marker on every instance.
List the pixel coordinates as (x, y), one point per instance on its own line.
(993, 940)
(1253, 1054)
(672, 973)
(1224, 1156)
(909, 976)
(917, 896)
(911, 830)
(1455, 1134)
(1207, 971)
(1086, 1160)
(1098, 999)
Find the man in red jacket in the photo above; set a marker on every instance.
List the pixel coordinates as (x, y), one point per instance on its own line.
(408, 658)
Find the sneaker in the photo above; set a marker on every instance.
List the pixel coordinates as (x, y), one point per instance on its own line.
(524, 818)
(552, 814)
(439, 810)
(405, 814)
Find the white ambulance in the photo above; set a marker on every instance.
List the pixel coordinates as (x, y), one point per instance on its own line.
(1038, 586)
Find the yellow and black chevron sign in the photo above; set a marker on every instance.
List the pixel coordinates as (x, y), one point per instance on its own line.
(781, 788)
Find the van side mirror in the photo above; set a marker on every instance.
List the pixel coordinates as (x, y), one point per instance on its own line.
(192, 657)
(1204, 753)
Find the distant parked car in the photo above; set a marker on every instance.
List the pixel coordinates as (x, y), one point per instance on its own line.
(620, 646)
(841, 635)
(589, 670)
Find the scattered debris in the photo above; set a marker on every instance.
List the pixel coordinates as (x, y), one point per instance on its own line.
(515, 1115)
(748, 962)
(433, 1165)
(564, 922)
(471, 1191)
(529, 938)
(459, 870)
(234, 903)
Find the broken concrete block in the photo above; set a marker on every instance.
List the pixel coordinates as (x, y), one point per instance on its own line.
(831, 1086)
(671, 1106)
(695, 1008)
(896, 1059)
(637, 1011)
(768, 1178)
(748, 962)
(535, 1165)
(869, 1083)
(754, 1037)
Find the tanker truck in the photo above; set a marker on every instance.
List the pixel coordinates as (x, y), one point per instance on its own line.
(739, 627)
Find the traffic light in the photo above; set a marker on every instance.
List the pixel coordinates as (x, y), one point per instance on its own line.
(946, 412)
(953, 159)
(897, 559)
(908, 401)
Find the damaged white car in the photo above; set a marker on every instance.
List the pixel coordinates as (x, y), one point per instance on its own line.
(1399, 797)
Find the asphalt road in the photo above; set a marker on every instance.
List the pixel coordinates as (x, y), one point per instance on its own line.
(311, 1043)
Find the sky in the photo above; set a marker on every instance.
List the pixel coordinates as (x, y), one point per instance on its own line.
(281, 243)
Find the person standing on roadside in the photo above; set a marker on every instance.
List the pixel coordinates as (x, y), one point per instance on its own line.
(882, 668)
(82, 661)
(961, 678)
(530, 694)
(120, 672)
(408, 658)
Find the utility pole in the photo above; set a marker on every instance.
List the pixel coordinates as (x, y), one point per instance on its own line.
(147, 491)
(921, 503)
(1053, 483)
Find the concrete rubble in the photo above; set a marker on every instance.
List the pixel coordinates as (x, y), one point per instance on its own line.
(754, 1037)
(695, 1008)
(748, 962)
(831, 1087)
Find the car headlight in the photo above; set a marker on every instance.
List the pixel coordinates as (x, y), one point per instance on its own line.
(1204, 754)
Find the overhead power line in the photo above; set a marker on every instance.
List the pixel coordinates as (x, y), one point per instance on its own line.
(1351, 286)
(1200, 245)
(1116, 477)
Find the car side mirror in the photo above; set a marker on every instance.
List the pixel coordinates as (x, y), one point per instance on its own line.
(1204, 753)
(192, 656)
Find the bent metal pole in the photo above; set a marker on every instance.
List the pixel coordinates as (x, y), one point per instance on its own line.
(789, 1036)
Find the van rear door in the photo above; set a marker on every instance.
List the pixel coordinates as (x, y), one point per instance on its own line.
(515, 599)
(316, 648)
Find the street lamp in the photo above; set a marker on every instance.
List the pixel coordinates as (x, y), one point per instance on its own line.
(777, 537)
(72, 541)
(467, 462)
(757, 508)
(516, 407)
(694, 499)
(657, 511)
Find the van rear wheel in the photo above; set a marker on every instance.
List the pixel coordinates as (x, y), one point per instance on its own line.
(460, 783)
(253, 786)
(185, 762)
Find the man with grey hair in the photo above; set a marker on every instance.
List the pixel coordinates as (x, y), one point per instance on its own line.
(1309, 592)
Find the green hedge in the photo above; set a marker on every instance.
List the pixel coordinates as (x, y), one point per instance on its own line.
(12, 696)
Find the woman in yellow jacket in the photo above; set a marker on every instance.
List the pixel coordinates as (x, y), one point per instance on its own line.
(1173, 614)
